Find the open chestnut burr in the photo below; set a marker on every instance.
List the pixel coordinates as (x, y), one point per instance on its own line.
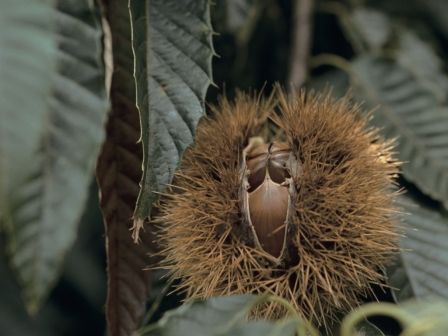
(291, 195)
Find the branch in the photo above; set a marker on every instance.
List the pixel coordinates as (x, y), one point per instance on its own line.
(301, 42)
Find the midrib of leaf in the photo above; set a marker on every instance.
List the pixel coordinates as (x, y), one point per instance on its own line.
(140, 67)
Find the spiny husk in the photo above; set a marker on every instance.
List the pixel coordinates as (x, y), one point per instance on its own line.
(344, 221)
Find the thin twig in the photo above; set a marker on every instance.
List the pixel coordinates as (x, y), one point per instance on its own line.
(301, 42)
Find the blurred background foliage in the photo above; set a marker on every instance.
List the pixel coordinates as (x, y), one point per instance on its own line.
(392, 54)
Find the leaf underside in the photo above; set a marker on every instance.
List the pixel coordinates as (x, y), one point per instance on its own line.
(25, 30)
(401, 76)
(45, 207)
(408, 108)
(118, 174)
(173, 51)
(424, 259)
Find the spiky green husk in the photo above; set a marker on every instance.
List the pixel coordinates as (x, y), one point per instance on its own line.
(344, 223)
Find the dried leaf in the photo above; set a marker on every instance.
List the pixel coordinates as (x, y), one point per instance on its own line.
(118, 173)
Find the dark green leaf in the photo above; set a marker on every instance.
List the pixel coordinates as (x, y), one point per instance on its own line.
(422, 270)
(173, 51)
(219, 316)
(44, 209)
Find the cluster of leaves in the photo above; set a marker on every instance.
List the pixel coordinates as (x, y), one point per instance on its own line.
(55, 92)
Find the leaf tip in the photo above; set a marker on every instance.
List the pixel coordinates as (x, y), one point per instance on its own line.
(137, 225)
(32, 308)
(32, 301)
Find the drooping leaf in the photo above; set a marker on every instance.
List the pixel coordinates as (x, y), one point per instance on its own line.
(173, 51)
(45, 208)
(422, 270)
(407, 108)
(218, 316)
(118, 174)
(27, 62)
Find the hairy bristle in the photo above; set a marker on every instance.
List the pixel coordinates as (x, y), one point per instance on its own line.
(344, 221)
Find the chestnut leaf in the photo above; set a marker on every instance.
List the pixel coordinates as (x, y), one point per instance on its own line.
(118, 173)
(409, 109)
(400, 75)
(26, 82)
(219, 316)
(422, 268)
(172, 43)
(40, 214)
